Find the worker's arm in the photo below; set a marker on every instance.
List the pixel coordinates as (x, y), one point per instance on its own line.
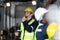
(34, 25)
(27, 27)
(31, 27)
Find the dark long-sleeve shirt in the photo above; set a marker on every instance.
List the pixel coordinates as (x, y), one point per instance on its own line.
(42, 34)
(29, 27)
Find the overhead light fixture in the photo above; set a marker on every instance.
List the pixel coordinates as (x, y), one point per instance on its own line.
(33, 2)
(8, 4)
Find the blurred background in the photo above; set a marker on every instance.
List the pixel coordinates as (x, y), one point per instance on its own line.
(11, 12)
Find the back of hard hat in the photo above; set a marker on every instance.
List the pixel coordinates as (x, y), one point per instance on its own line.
(39, 13)
(51, 29)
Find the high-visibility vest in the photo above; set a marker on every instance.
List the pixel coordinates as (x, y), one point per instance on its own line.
(25, 35)
(50, 26)
(36, 31)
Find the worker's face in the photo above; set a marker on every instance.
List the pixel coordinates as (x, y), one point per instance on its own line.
(44, 18)
(27, 14)
(48, 2)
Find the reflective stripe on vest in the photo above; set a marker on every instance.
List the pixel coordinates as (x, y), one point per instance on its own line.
(22, 31)
(48, 39)
(37, 30)
(38, 27)
(31, 21)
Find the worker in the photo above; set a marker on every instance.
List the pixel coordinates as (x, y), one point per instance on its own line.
(28, 25)
(40, 33)
(49, 2)
(3, 34)
(11, 33)
(53, 16)
(17, 32)
(51, 30)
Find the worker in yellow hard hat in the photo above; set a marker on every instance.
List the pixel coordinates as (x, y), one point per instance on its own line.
(51, 30)
(28, 25)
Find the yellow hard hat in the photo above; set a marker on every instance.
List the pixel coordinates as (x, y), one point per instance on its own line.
(29, 9)
(51, 29)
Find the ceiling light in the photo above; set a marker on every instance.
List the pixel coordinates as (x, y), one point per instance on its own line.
(34, 2)
(8, 4)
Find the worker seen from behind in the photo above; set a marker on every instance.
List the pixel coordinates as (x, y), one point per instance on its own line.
(28, 25)
(17, 32)
(40, 33)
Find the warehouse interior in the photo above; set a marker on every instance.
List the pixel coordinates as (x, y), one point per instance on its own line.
(12, 11)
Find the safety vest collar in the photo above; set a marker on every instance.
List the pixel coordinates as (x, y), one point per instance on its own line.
(31, 21)
(40, 24)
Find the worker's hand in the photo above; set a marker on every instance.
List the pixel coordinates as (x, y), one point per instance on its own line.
(29, 17)
(24, 19)
(16, 33)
